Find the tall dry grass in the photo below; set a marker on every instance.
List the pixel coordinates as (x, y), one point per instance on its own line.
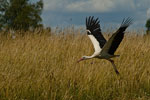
(43, 67)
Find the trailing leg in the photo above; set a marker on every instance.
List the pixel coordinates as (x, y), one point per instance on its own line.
(114, 66)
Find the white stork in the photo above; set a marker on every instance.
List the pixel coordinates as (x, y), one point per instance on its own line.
(104, 49)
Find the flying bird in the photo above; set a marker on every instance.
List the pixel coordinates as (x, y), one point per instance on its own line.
(105, 49)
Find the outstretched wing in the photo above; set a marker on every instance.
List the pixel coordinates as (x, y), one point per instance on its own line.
(94, 33)
(113, 43)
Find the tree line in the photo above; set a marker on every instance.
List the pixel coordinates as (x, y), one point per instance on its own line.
(20, 14)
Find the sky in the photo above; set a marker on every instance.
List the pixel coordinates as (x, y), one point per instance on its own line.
(110, 12)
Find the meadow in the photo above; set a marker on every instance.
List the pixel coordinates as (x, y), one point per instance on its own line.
(43, 66)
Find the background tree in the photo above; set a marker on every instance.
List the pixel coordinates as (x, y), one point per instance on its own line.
(3, 8)
(147, 25)
(20, 14)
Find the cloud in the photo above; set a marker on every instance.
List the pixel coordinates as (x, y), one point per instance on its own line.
(141, 4)
(58, 12)
(53, 5)
(101, 6)
(148, 13)
(89, 5)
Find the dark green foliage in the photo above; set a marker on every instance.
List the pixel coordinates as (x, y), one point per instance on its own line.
(20, 14)
(3, 7)
(148, 24)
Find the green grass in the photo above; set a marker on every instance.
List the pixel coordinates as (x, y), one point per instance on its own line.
(43, 67)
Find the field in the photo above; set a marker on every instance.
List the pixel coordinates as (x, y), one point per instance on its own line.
(42, 66)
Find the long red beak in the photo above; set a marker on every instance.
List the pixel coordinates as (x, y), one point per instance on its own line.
(79, 60)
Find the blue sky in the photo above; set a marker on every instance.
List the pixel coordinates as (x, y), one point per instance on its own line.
(110, 12)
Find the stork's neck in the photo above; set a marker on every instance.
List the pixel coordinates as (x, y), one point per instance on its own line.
(89, 57)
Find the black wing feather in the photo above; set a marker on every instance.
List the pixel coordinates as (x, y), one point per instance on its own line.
(94, 26)
(118, 36)
(99, 37)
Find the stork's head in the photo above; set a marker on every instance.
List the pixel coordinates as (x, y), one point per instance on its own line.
(82, 58)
